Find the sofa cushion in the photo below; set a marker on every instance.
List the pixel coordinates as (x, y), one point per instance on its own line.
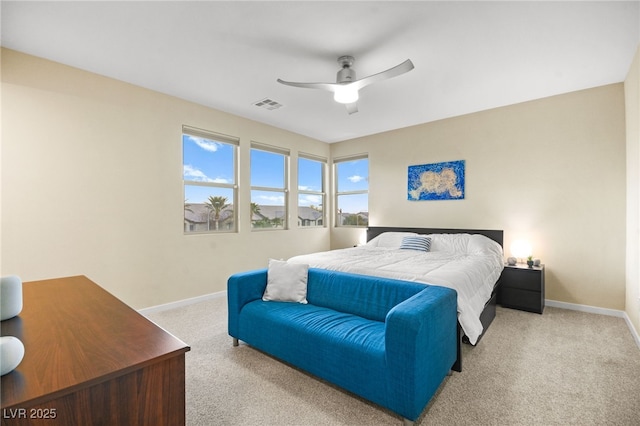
(323, 323)
(366, 296)
(344, 349)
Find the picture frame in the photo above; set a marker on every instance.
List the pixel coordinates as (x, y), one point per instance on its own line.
(436, 181)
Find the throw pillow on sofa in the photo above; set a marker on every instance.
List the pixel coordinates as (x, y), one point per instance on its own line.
(286, 282)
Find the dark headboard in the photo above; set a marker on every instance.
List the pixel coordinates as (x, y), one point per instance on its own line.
(495, 235)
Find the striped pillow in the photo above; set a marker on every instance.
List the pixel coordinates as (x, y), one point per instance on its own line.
(416, 243)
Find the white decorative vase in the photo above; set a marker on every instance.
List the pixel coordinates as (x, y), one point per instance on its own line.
(11, 354)
(10, 296)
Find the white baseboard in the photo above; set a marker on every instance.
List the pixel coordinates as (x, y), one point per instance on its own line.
(181, 303)
(551, 303)
(585, 308)
(596, 310)
(634, 332)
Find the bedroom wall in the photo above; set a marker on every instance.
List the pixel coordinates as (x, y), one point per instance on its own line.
(551, 171)
(632, 108)
(92, 185)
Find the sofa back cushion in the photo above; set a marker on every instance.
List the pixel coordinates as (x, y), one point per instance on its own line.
(366, 296)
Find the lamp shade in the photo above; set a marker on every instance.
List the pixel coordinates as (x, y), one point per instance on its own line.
(521, 248)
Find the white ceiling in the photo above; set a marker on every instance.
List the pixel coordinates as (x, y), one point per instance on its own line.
(468, 56)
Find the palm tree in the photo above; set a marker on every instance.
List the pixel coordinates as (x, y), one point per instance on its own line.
(255, 210)
(216, 205)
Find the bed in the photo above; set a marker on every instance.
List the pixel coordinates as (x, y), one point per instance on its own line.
(468, 260)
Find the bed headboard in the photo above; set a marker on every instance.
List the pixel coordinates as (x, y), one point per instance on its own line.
(495, 235)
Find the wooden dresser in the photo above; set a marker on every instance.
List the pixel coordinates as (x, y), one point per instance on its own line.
(90, 360)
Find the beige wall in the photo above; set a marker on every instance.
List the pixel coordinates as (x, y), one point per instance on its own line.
(551, 171)
(91, 184)
(632, 98)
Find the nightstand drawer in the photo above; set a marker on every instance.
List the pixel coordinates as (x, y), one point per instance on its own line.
(523, 288)
(522, 279)
(531, 301)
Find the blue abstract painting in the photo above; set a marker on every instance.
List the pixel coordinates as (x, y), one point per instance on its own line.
(437, 181)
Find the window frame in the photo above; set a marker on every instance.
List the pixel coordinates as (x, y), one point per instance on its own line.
(285, 191)
(337, 194)
(322, 193)
(219, 138)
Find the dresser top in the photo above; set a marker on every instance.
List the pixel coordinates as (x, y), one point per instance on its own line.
(76, 334)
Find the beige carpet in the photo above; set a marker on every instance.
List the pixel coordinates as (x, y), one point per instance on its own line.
(560, 368)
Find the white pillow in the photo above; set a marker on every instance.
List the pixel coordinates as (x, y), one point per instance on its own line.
(479, 244)
(465, 244)
(286, 282)
(452, 243)
(390, 239)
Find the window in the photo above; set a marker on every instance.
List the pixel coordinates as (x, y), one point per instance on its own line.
(311, 193)
(352, 191)
(269, 186)
(209, 176)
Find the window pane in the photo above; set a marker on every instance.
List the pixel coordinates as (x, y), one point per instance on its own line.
(353, 210)
(353, 175)
(309, 175)
(208, 208)
(268, 209)
(310, 210)
(267, 169)
(208, 161)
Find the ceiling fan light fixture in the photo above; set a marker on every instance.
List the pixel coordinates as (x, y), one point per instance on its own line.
(345, 94)
(345, 89)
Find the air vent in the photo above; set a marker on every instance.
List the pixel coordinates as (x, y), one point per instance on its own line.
(268, 103)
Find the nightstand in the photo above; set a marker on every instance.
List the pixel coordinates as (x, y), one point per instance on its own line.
(523, 288)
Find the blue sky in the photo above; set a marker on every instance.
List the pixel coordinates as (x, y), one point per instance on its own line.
(209, 161)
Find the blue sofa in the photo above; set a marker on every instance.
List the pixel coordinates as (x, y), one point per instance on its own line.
(391, 342)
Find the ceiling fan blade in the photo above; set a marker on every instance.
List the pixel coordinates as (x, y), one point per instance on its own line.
(352, 107)
(404, 67)
(331, 87)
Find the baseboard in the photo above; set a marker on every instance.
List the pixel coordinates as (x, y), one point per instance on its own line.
(596, 310)
(551, 303)
(181, 303)
(585, 308)
(633, 330)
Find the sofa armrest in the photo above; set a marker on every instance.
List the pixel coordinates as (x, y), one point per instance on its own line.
(243, 288)
(421, 346)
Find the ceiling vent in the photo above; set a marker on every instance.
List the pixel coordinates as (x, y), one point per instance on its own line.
(268, 103)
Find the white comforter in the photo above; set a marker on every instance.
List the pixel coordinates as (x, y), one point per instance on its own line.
(469, 264)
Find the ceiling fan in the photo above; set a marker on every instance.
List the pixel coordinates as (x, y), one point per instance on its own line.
(345, 89)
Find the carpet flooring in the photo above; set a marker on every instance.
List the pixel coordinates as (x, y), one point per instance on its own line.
(560, 368)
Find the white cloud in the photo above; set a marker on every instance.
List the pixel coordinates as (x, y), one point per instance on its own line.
(356, 178)
(205, 144)
(192, 173)
(197, 175)
(310, 200)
